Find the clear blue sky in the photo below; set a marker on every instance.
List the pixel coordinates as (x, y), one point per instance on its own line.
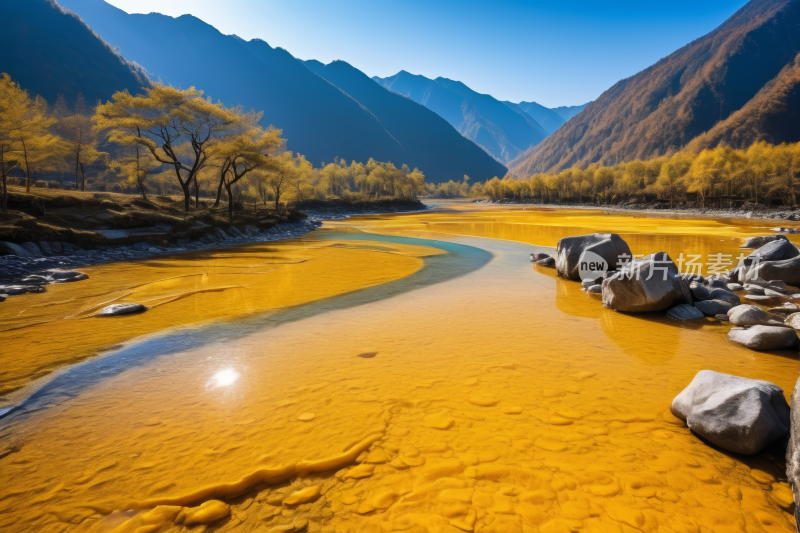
(555, 53)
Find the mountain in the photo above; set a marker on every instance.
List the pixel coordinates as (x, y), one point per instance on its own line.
(418, 129)
(719, 85)
(313, 65)
(567, 112)
(318, 119)
(50, 51)
(503, 132)
(549, 119)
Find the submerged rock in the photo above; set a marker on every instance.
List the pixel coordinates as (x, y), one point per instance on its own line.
(608, 246)
(684, 312)
(122, 309)
(714, 307)
(13, 290)
(651, 283)
(546, 262)
(764, 338)
(737, 414)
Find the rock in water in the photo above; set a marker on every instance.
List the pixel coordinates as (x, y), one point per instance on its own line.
(793, 321)
(748, 315)
(122, 309)
(793, 451)
(651, 283)
(778, 260)
(64, 276)
(714, 307)
(684, 312)
(737, 414)
(546, 262)
(786, 308)
(3, 297)
(764, 338)
(758, 242)
(735, 287)
(608, 246)
(538, 256)
(595, 289)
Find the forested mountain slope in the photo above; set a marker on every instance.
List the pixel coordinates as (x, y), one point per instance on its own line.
(49, 51)
(666, 106)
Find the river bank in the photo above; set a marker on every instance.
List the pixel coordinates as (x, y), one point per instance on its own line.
(54, 229)
(653, 209)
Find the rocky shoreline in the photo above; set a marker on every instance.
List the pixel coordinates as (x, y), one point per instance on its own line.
(759, 298)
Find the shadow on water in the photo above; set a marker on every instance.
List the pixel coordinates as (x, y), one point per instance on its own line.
(69, 382)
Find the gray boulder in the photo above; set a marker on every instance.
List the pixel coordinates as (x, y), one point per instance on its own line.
(714, 307)
(773, 293)
(735, 287)
(14, 290)
(724, 295)
(758, 242)
(737, 414)
(775, 284)
(595, 289)
(32, 249)
(748, 315)
(9, 248)
(65, 276)
(786, 308)
(651, 283)
(793, 320)
(588, 283)
(684, 312)
(122, 309)
(45, 248)
(608, 246)
(547, 262)
(764, 338)
(539, 255)
(793, 451)
(777, 260)
(755, 289)
(700, 291)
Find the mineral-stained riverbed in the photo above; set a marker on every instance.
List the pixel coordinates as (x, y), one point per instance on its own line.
(413, 373)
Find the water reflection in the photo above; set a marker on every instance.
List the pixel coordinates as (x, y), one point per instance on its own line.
(223, 378)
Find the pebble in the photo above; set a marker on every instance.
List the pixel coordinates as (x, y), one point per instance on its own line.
(306, 417)
(483, 401)
(302, 496)
(122, 309)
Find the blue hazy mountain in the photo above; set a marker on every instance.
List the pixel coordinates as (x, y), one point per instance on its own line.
(49, 51)
(500, 130)
(567, 112)
(313, 65)
(428, 139)
(548, 118)
(318, 119)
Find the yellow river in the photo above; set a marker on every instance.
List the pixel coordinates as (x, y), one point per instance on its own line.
(392, 373)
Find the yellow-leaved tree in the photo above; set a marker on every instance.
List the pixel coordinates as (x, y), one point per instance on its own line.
(239, 155)
(12, 100)
(80, 137)
(164, 118)
(27, 123)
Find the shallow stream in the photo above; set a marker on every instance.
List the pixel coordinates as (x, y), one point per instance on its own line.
(392, 373)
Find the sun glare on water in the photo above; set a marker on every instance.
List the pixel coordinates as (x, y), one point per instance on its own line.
(223, 378)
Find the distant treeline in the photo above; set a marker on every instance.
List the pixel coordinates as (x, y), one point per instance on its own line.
(762, 174)
(173, 141)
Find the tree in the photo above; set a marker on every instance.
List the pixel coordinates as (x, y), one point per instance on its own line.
(670, 179)
(79, 135)
(288, 170)
(241, 154)
(26, 131)
(163, 119)
(12, 101)
(135, 165)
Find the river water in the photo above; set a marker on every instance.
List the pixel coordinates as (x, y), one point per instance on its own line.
(390, 373)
